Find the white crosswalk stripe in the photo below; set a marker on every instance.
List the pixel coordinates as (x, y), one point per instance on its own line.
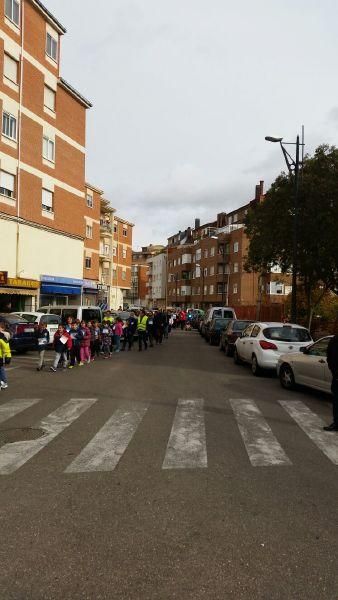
(187, 443)
(13, 456)
(14, 407)
(105, 450)
(312, 425)
(261, 445)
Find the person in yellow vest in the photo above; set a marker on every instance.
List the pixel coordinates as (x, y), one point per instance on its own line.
(142, 322)
(5, 356)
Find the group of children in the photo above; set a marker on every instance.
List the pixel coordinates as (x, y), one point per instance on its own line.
(78, 342)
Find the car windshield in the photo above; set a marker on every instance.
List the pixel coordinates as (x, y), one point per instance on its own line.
(240, 325)
(12, 319)
(220, 323)
(287, 334)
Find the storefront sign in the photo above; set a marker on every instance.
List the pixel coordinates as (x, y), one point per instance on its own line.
(3, 277)
(61, 280)
(90, 284)
(23, 283)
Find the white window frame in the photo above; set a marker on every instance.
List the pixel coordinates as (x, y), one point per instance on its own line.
(88, 265)
(49, 90)
(5, 190)
(235, 267)
(212, 251)
(11, 62)
(124, 253)
(235, 288)
(50, 153)
(211, 290)
(89, 200)
(206, 253)
(125, 232)
(11, 121)
(212, 270)
(47, 207)
(55, 47)
(124, 275)
(89, 232)
(236, 247)
(11, 16)
(114, 251)
(205, 272)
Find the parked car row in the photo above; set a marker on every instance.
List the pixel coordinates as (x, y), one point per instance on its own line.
(285, 348)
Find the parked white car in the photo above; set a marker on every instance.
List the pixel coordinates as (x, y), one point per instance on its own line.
(50, 321)
(261, 344)
(308, 367)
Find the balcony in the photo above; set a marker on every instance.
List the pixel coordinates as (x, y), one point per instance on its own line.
(105, 226)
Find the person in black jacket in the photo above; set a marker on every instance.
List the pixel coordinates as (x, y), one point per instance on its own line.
(332, 361)
(129, 332)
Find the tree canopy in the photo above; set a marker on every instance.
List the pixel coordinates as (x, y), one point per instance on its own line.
(269, 225)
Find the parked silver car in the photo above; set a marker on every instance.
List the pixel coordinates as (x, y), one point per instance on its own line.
(308, 367)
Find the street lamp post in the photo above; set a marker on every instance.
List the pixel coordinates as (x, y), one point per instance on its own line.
(293, 166)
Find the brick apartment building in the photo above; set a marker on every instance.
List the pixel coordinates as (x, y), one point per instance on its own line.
(55, 251)
(140, 274)
(42, 164)
(206, 265)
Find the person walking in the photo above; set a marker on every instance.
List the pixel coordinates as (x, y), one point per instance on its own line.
(42, 340)
(62, 343)
(85, 344)
(151, 329)
(142, 322)
(129, 332)
(5, 356)
(76, 335)
(106, 337)
(183, 319)
(332, 361)
(118, 331)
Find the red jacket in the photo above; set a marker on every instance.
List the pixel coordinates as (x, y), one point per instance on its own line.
(58, 345)
(85, 342)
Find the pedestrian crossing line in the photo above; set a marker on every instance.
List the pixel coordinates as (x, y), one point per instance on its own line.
(105, 450)
(313, 425)
(13, 456)
(14, 407)
(262, 447)
(187, 442)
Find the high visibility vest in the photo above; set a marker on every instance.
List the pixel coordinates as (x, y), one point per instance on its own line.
(142, 323)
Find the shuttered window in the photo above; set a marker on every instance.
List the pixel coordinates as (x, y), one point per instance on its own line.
(7, 184)
(10, 68)
(47, 200)
(49, 100)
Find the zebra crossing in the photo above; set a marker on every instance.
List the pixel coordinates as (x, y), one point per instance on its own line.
(187, 440)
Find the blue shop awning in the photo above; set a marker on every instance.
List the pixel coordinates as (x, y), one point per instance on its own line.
(65, 290)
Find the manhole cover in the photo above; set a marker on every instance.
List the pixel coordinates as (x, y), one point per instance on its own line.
(25, 434)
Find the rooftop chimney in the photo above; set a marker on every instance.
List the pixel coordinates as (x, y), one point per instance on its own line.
(197, 223)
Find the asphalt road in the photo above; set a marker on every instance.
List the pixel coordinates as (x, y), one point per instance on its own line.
(240, 504)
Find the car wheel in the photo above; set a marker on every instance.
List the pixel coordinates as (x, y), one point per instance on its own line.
(286, 377)
(255, 368)
(237, 360)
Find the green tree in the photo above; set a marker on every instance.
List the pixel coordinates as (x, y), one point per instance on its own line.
(269, 227)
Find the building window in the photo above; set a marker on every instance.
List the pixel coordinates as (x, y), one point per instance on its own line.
(206, 253)
(205, 272)
(7, 182)
(198, 254)
(10, 68)
(220, 288)
(212, 270)
(114, 251)
(115, 228)
(235, 217)
(89, 200)
(12, 11)
(9, 126)
(235, 267)
(47, 200)
(124, 253)
(89, 231)
(125, 232)
(124, 275)
(51, 47)
(49, 98)
(205, 290)
(48, 149)
(114, 273)
(212, 251)
(211, 289)
(88, 262)
(236, 247)
(235, 288)
(106, 249)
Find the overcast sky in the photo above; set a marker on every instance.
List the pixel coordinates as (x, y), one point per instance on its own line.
(184, 92)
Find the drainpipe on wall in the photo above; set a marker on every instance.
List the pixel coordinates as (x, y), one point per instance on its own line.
(17, 262)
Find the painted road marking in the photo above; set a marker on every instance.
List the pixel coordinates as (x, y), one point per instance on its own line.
(187, 443)
(313, 425)
(14, 407)
(262, 447)
(108, 446)
(13, 456)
